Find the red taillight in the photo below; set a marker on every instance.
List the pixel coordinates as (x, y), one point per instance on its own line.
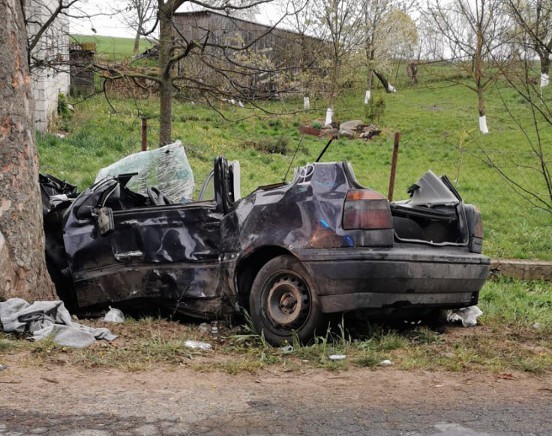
(365, 209)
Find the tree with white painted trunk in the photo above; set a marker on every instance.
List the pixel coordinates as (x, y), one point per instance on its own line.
(23, 270)
(534, 31)
(300, 18)
(477, 38)
(338, 22)
(526, 169)
(388, 33)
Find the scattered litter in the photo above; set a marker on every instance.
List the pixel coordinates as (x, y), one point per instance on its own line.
(467, 315)
(337, 357)
(114, 315)
(197, 345)
(287, 349)
(536, 326)
(386, 362)
(204, 328)
(214, 329)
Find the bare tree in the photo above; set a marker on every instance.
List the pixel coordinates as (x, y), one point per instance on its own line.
(138, 15)
(527, 169)
(476, 35)
(302, 20)
(534, 19)
(387, 32)
(23, 270)
(339, 24)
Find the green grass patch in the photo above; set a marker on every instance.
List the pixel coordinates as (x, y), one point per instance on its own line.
(438, 125)
(514, 334)
(113, 49)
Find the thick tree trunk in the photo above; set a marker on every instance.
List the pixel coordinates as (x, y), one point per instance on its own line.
(165, 85)
(23, 270)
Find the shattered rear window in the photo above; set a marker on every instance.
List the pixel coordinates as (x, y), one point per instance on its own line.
(166, 168)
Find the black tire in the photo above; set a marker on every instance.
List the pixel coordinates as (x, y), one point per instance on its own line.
(283, 302)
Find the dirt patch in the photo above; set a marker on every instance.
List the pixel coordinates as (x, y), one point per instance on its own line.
(164, 390)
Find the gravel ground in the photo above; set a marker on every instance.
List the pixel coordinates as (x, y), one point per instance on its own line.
(71, 401)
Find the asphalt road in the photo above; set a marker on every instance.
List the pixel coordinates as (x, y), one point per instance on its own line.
(267, 417)
(384, 402)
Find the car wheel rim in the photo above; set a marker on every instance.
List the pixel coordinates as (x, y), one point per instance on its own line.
(287, 302)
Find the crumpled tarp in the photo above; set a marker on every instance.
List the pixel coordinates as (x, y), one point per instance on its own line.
(166, 168)
(466, 315)
(48, 318)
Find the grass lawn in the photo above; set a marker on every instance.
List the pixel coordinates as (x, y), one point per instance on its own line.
(438, 125)
(514, 334)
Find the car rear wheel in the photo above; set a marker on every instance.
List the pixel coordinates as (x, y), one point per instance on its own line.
(283, 302)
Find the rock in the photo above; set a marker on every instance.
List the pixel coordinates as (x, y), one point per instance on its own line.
(353, 125)
(346, 133)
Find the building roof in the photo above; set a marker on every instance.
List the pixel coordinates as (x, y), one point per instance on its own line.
(206, 12)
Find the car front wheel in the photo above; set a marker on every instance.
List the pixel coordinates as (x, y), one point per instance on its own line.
(283, 302)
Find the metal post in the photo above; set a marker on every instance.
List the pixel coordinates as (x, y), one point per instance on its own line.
(144, 133)
(393, 166)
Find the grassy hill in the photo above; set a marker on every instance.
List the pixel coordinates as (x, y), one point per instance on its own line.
(109, 48)
(439, 131)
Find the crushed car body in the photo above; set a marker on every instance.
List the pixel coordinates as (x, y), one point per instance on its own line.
(288, 253)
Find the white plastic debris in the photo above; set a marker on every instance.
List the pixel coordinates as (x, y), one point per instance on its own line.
(114, 315)
(287, 349)
(367, 96)
(337, 357)
(467, 315)
(197, 345)
(386, 362)
(391, 88)
(536, 326)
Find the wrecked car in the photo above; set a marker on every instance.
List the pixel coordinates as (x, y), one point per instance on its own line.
(288, 253)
